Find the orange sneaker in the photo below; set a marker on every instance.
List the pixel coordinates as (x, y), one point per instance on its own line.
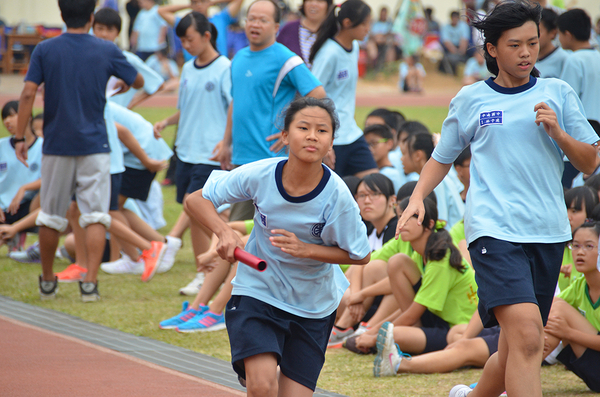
(152, 258)
(72, 274)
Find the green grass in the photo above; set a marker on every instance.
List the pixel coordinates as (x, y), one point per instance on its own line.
(134, 307)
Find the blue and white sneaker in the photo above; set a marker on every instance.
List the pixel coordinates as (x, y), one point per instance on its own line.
(186, 314)
(389, 354)
(205, 322)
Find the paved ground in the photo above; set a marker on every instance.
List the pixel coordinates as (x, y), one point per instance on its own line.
(44, 352)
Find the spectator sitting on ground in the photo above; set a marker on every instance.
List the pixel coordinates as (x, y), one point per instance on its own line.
(166, 68)
(475, 69)
(412, 74)
(455, 40)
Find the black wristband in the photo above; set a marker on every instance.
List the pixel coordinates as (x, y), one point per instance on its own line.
(18, 139)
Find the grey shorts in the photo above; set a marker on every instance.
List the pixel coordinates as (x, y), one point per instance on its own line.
(87, 176)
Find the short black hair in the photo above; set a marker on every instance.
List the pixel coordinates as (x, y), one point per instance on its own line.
(422, 141)
(577, 22)
(413, 127)
(380, 183)
(549, 18)
(580, 196)
(463, 156)
(307, 102)
(388, 117)
(381, 130)
(10, 108)
(108, 17)
(407, 190)
(200, 23)
(276, 13)
(454, 14)
(76, 13)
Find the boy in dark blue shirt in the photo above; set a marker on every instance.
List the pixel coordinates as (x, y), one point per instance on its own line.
(75, 68)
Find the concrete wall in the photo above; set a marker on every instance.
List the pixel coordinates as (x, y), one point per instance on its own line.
(46, 12)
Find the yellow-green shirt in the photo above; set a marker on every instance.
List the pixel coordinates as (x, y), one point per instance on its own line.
(564, 282)
(578, 296)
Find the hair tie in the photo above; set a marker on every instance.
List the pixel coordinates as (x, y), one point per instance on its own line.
(440, 224)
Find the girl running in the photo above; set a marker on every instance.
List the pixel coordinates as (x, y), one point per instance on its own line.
(519, 128)
(305, 219)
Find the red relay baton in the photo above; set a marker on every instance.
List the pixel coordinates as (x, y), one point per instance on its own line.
(249, 259)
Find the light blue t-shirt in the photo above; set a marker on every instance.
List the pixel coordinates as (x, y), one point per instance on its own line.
(116, 152)
(152, 80)
(204, 97)
(552, 64)
(337, 69)
(13, 173)
(394, 175)
(515, 192)
(454, 34)
(473, 68)
(449, 204)
(327, 216)
(143, 131)
(165, 69)
(582, 71)
(148, 24)
(263, 83)
(221, 20)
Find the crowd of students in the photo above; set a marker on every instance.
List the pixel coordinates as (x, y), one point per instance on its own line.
(424, 226)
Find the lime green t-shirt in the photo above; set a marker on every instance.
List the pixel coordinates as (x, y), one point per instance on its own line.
(391, 248)
(578, 296)
(448, 293)
(457, 233)
(564, 282)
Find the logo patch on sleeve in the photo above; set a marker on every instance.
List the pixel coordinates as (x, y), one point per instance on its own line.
(343, 74)
(493, 117)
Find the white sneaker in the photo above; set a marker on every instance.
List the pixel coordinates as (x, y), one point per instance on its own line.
(124, 265)
(460, 391)
(194, 286)
(173, 245)
(389, 355)
(362, 328)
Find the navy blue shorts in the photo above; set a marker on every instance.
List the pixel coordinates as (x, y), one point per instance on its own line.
(115, 189)
(136, 184)
(299, 343)
(490, 336)
(22, 212)
(435, 328)
(587, 367)
(191, 177)
(353, 158)
(510, 273)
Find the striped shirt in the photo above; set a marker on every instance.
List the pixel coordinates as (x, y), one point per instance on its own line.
(307, 39)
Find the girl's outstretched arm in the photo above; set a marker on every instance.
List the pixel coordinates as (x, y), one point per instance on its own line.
(290, 244)
(432, 174)
(203, 211)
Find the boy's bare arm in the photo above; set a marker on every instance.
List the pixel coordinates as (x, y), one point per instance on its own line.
(138, 82)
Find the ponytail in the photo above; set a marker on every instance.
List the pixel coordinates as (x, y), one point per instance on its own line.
(201, 25)
(354, 10)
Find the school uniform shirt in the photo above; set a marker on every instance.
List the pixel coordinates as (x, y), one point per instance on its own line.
(337, 68)
(148, 25)
(457, 232)
(143, 132)
(326, 216)
(117, 165)
(447, 292)
(376, 240)
(152, 80)
(393, 247)
(563, 281)
(473, 68)
(75, 69)
(515, 193)
(263, 83)
(204, 97)
(394, 175)
(13, 173)
(552, 64)
(582, 71)
(450, 206)
(154, 63)
(578, 296)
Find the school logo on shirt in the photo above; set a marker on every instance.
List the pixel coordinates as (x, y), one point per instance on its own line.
(209, 86)
(317, 229)
(248, 73)
(343, 74)
(493, 117)
(263, 217)
(34, 167)
(3, 167)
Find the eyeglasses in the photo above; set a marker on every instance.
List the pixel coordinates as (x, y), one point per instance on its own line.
(377, 142)
(257, 21)
(585, 247)
(371, 196)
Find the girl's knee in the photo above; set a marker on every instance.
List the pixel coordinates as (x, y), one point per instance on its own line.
(262, 386)
(398, 263)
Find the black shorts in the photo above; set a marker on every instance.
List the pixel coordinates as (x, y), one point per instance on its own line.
(490, 336)
(587, 367)
(510, 273)
(22, 212)
(435, 328)
(136, 184)
(299, 343)
(115, 189)
(353, 158)
(191, 177)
